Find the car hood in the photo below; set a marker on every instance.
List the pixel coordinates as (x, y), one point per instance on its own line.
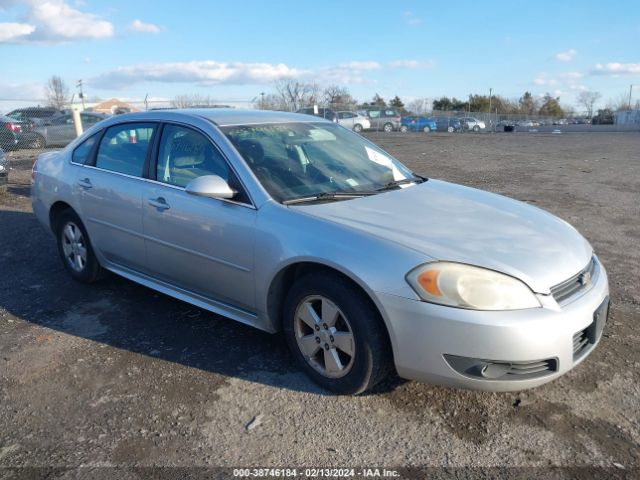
(451, 222)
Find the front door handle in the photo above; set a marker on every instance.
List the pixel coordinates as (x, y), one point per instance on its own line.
(85, 183)
(160, 203)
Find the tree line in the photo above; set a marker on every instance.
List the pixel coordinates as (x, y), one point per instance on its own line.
(291, 95)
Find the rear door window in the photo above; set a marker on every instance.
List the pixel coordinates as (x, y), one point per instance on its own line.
(123, 148)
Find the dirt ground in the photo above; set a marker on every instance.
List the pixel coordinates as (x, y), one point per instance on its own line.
(116, 375)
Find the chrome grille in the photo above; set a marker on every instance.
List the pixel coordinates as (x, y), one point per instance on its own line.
(575, 284)
(580, 342)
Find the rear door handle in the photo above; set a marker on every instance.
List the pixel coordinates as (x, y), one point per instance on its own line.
(85, 183)
(160, 203)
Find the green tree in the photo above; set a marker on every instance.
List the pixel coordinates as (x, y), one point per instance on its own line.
(551, 107)
(528, 104)
(378, 101)
(479, 103)
(398, 104)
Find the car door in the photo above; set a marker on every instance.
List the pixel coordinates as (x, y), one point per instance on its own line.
(111, 194)
(203, 245)
(59, 130)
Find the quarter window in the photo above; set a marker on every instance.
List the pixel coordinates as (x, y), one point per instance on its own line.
(124, 148)
(81, 153)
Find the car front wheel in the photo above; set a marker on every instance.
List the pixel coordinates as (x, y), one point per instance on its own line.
(357, 128)
(404, 129)
(426, 129)
(75, 249)
(336, 334)
(388, 127)
(476, 128)
(450, 129)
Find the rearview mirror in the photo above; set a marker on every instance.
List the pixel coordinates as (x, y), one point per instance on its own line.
(211, 186)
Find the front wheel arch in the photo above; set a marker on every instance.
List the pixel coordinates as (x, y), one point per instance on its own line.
(286, 277)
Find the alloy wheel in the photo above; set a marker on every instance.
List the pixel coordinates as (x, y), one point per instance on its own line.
(74, 247)
(324, 336)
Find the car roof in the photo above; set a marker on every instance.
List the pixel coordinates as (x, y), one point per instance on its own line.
(222, 116)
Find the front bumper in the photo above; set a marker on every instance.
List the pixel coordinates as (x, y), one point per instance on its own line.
(422, 334)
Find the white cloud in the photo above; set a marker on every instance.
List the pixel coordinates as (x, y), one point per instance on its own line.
(616, 69)
(57, 21)
(20, 91)
(542, 80)
(411, 64)
(566, 56)
(571, 75)
(207, 72)
(139, 26)
(10, 32)
(411, 19)
(360, 65)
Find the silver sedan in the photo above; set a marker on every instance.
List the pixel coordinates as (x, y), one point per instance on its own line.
(296, 225)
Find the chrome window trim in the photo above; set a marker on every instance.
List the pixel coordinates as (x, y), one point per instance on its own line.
(224, 157)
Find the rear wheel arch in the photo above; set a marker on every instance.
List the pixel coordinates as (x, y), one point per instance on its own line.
(55, 211)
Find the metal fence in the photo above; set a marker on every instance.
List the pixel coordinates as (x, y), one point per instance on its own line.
(25, 130)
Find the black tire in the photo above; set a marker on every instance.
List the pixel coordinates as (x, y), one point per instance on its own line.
(91, 270)
(357, 128)
(388, 127)
(476, 128)
(371, 361)
(38, 142)
(404, 129)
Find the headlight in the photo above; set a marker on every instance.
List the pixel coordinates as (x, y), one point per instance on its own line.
(464, 286)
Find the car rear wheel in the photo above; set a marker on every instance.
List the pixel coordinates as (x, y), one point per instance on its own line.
(476, 128)
(336, 334)
(426, 129)
(404, 129)
(357, 128)
(75, 248)
(450, 129)
(388, 127)
(38, 142)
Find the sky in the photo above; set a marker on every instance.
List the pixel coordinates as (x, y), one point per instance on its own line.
(232, 51)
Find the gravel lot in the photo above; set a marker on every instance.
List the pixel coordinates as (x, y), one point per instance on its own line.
(115, 374)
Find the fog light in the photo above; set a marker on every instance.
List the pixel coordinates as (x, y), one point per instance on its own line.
(484, 369)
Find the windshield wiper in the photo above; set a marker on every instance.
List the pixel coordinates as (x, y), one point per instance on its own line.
(327, 196)
(404, 181)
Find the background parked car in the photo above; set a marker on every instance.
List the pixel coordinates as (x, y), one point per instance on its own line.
(418, 124)
(325, 113)
(4, 169)
(35, 115)
(354, 121)
(471, 123)
(60, 130)
(11, 136)
(385, 119)
(448, 124)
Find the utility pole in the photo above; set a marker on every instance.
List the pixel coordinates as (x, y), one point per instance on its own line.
(79, 85)
(261, 100)
(630, 90)
(490, 122)
(146, 103)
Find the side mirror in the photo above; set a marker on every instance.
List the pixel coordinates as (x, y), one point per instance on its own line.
(211, 186)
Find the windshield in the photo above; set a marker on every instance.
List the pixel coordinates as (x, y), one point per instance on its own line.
(295, 160)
